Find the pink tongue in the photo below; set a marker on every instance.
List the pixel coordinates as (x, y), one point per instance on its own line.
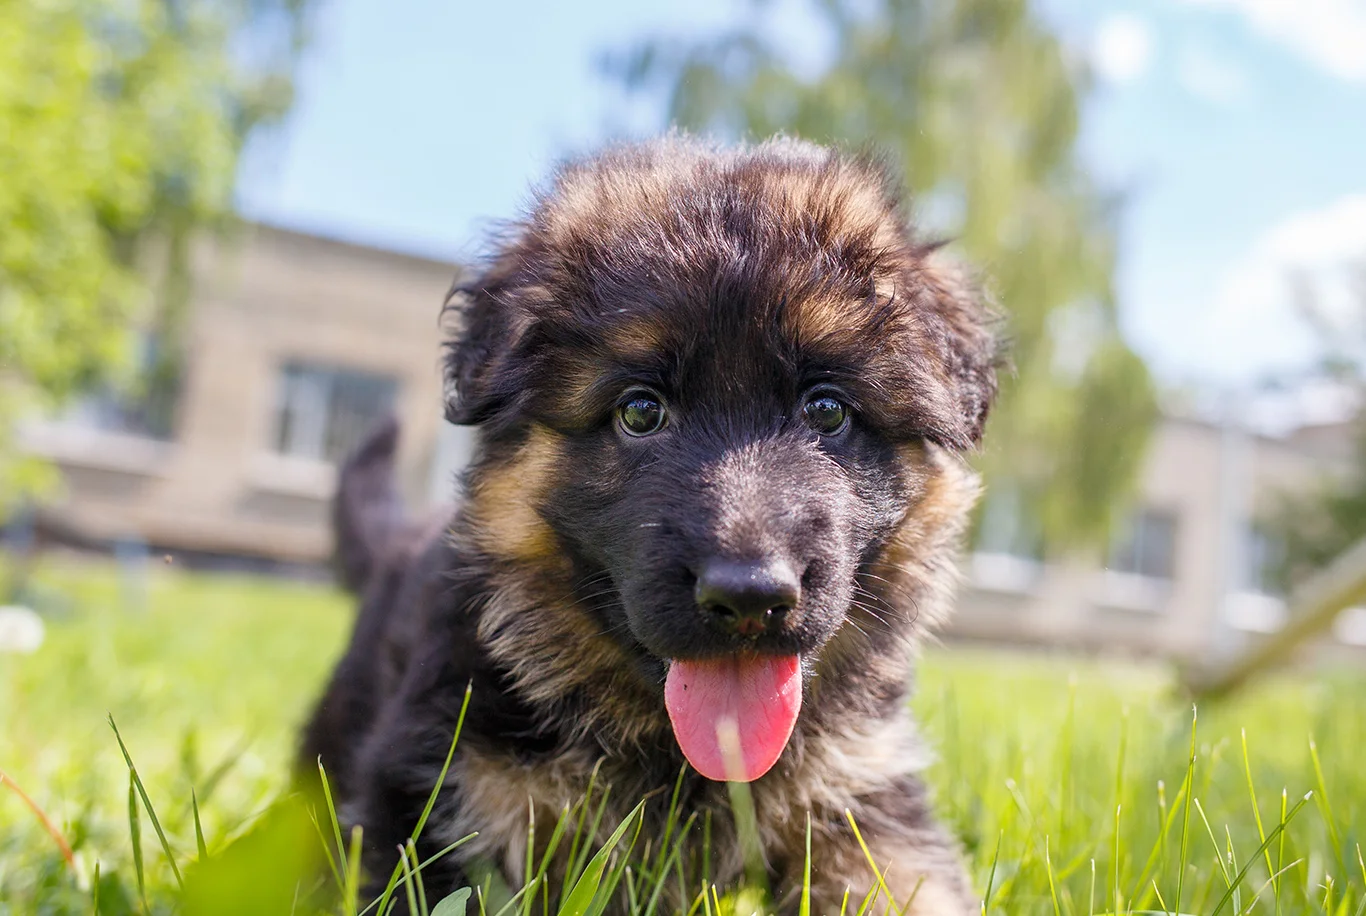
(755, 698)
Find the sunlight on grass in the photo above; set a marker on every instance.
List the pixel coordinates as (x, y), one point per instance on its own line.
(1077, 786)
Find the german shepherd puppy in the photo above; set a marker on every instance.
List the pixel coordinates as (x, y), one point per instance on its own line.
(721, 398)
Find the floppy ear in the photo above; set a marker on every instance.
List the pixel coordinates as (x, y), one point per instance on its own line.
(965, 324)
(479, 350)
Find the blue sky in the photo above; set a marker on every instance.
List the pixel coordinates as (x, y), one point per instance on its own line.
(1235, 128)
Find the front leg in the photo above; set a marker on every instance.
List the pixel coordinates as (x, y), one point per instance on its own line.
(401, 764)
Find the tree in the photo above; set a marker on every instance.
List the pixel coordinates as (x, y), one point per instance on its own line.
(121, 125)
(1309, 529)
(977, 104)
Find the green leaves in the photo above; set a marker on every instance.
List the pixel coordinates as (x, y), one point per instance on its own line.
(121, 124)
(595, 886)
(454, 904)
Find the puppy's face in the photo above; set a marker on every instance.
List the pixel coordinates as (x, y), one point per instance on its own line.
(742, 360)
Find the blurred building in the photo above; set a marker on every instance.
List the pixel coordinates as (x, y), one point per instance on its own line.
(1189, 573)
(299, 344)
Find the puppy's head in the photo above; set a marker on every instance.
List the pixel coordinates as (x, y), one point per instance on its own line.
(712, 378)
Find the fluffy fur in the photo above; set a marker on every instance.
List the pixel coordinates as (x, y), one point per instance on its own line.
(733, 285)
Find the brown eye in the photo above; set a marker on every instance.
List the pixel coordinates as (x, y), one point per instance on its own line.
(826, 415)
(642, 415)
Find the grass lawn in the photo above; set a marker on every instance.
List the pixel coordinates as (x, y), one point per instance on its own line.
(1067, 779)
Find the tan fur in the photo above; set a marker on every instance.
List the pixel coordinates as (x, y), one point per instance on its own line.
(502, 505)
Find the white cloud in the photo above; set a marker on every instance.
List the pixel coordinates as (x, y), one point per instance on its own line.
(1122, 48)
(1331, 33)
(1255, 322)
(1210, 77)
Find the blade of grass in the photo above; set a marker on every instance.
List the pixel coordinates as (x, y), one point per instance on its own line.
(1280, 852)
(586, 888)
(527, 868)
(1219, 859)
(147, 803)
(585, 841)
(632, 904)
(1252, 795)
(1052, 886)
(670, 821)
(1325, 806)
(333, 819)
(575, 859)
(746, 824)
(135, 835)
(200, 847)
(1361, 863)
(804, 908)
(210, 782)
(326, 846)
(991, 875)
(556, 836)
(1162, 903)
(408, 888)
(421, 891)
(515, 900)
(1242, 873)
(431, 798)
(1270, 882)
(910, 901)
(1186, 815)
(868, 855)
(447, 850)
(1233, 863)
(1119, 902)
(1154, 857)
(351, 889)
(868, 900)
(674, 857)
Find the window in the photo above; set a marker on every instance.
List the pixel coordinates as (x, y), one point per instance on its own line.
(1146, 545)
(1262, 554)
(1007, 529)
(1008, 553)
(324, 411)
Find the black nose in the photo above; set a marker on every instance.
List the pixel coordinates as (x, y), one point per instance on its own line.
(747, 598)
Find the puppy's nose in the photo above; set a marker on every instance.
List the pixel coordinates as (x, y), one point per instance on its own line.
(747, 598)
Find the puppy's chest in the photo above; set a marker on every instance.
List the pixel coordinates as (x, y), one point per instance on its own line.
(510, 802)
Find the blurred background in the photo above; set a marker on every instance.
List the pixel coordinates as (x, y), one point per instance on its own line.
(228, 227)
(226, 231)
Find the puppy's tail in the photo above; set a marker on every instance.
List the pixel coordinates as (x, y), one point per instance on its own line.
(367, 512)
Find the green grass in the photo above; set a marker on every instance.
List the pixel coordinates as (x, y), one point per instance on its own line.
(1077, 786)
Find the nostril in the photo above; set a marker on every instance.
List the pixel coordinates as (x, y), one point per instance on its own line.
(747, 597)
(720, 610)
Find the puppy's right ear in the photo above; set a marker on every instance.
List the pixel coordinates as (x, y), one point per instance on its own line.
(477, 386)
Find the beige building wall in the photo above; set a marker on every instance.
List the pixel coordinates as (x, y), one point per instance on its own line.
(221, 485)
(1214, 482)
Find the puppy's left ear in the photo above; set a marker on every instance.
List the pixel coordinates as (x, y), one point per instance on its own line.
(479, 381)
(970, 352)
